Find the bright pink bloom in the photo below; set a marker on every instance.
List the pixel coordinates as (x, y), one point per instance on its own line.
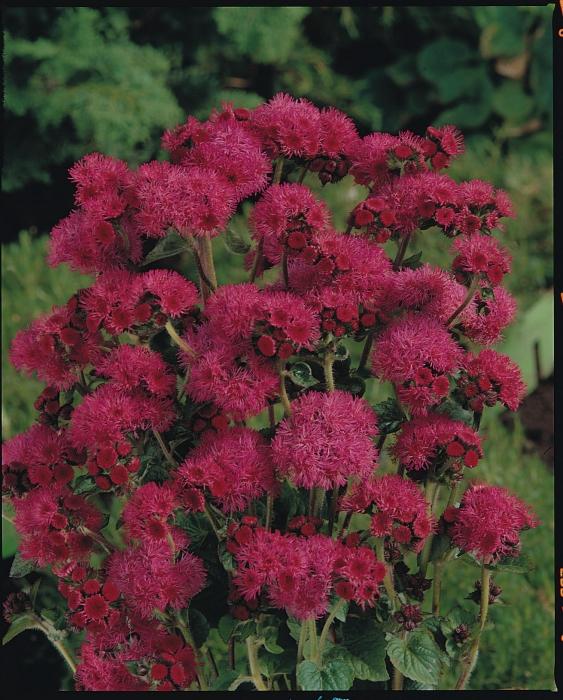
(484, 320)
(287, 215)
(326, 439)
(490, 377)
(235, 466)
(489, 521)
(287, 127)
(408, 345)
(480, 255)
(427, 438)
(148, 514)
(130, 367)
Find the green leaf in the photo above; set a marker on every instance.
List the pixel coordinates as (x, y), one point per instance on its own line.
(454, 411)
(167, 247)
(335, 674)
(226, 627)
(389, 416)
(440, 545)
(20, 624)
(413, 262)
(511, 102)
(441, 57)
(84, 484)
(417, 657)
(341, 352)
(235, 242)
(514, 565)
(365, 640)
(21, 567)
(353, 384)
(294, 628)
(199, 627)
(302, 375)
(224, 680)
(10, 539)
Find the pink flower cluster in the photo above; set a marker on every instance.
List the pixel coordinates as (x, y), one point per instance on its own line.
(192, 436)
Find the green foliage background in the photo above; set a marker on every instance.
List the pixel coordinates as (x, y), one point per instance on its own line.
(110, 79)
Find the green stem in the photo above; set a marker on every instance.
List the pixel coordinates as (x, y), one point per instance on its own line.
(165, 451)
(432, 490)
(397, 680)
(180, 342)
(283, 392)
(388, 580)
(257, 260)
(313, 636)
(278, 172)
(303, 173)
(51, 633)
(209, 265)
(269, 511)
(403, 245)
(187, 635)
(326, 628)
(318, 498)
(253, 664)
(469, 296)
(332, 511)
(285, 270)
(471, 658)
(327, 366)
(437, 587)
(212, 521)
(301, 642)
(366, 351)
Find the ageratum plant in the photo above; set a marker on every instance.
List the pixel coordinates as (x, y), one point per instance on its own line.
(204, 477)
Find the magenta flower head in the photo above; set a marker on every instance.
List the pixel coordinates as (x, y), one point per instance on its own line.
(482, 256)
(417, 354)
(426, 438)
(489, 521)
(327, 439)
(490, 377)
(234, 466)
(484, 320)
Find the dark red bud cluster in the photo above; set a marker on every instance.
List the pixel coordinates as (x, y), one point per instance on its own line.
(409, 617)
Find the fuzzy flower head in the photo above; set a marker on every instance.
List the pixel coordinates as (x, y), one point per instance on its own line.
(148, 515)
(399, 509)
(490, 377)
(428, 289)
(442, 145)
(327, 439)
(102, 184)
(482, 208)
(39, 456)
(90, 243)
(482, 256)
(379, 157)
(284, 325)
(358, 574)
(286, 216)
(486, 317)
(230, 375)
(229, 148)
(56, 346)
(48, 520)
(287, 127)
(417, 354)
(435, 438)
(130, 367)
(489, 521)
(294, 573)
(348, 264)
(194, 201)
(234, 466)
(149, 579)
(338, 137)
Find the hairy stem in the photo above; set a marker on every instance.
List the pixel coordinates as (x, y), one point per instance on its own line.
(403, 245)
(303, 173)
(257, 260)
(388, 580)
(327, 366)
(278, 172)
(251, 648)
(432, 490)
(269, 511)
(326, 627)
(437, 587)
(471, 659)
(397, 680)
(366, 350)
(285, 270)
(165, 451)
(468, 298)
(180, 342)
(283, 392)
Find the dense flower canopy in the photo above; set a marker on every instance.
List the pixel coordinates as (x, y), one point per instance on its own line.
(199, 442)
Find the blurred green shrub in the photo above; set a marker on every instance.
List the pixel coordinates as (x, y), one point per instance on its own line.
(112, 78)
(82, 86)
